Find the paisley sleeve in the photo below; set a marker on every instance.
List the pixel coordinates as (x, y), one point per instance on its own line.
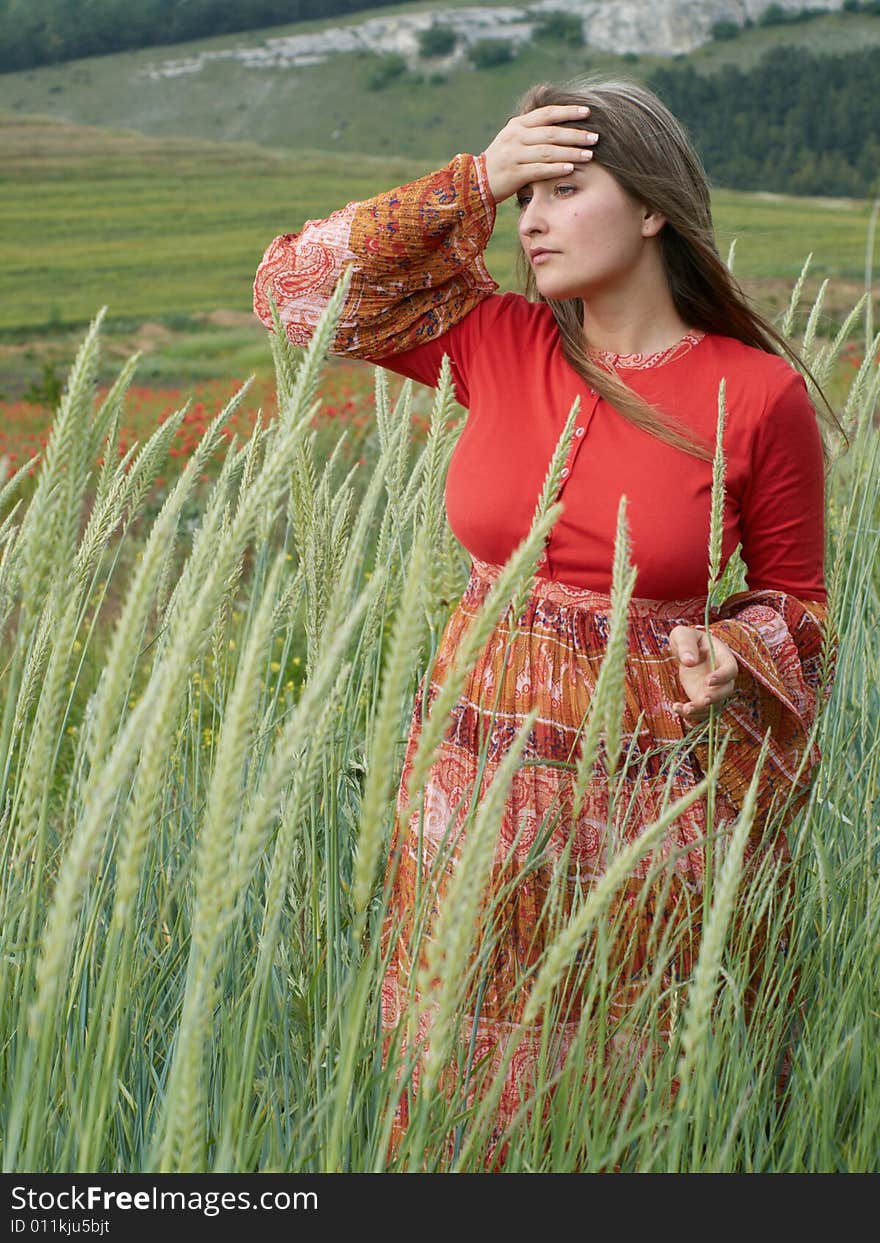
(417, 255)
(785, 651)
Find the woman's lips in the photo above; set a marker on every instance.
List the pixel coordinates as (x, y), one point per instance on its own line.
(541, 256)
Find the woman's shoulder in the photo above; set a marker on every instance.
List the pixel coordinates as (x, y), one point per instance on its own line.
(750, 372)
(751, 362)
(517, 306)
(508, 315)
(768, 404)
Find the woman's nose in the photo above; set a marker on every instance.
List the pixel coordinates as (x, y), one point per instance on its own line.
(531, 219)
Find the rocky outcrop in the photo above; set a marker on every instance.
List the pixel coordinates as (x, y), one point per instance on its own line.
(661, 27)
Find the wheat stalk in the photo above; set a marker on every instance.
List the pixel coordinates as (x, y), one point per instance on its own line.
(614, 664)
(794, 300)
(702, 991)
(215, 901)
(406, 639)
(442, 981)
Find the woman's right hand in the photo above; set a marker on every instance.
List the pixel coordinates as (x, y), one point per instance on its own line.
(536, 147)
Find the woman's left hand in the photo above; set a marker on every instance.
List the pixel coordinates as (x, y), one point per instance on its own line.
(703, 685)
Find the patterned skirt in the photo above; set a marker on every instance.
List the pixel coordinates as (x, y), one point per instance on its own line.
(545, 858)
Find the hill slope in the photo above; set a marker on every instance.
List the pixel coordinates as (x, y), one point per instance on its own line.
(166, 229)
(330, 106)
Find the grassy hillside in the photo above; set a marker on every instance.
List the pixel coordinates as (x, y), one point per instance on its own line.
(168, 233)
(329, 105)
(164, 228)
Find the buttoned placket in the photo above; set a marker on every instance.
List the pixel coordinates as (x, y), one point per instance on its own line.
(585, 418)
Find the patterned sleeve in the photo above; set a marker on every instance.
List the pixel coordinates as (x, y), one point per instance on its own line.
(417, 254)
(777, 629)
(779, 644)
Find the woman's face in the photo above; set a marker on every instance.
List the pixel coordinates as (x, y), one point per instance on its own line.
(583, 234)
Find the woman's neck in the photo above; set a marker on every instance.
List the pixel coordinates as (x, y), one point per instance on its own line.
(633, 322)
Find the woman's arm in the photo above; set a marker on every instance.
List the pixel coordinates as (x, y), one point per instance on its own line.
(778, 643)
(777, 629)
(417, 258)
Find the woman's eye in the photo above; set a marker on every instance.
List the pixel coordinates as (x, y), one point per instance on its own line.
(523, 200)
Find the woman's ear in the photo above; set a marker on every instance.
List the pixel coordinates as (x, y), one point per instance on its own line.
(652, 222)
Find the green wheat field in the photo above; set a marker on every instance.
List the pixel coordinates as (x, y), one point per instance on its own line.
(205, 697)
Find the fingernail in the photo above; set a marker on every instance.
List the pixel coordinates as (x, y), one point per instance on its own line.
(591, 137)
(586, 155)
(583, 111)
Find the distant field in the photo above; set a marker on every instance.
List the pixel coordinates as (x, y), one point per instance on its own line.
(163, 229)
(328, 106)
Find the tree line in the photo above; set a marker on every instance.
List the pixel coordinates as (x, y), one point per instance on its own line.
(44, 32)
(796, 123)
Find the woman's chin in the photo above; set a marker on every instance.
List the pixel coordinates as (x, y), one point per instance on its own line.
(556, 285)
(558, 290)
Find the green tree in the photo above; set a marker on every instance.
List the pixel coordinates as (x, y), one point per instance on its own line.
(486, 53)
(795, 123)
(437, 40)
(564, 27)
(385, 70)
(725, 30)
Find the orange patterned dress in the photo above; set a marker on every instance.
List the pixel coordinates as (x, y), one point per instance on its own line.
(420, 290)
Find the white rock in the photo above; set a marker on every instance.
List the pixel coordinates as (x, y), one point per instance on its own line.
(660, 27)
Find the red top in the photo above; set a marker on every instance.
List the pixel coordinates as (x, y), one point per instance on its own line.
(419, 288)
(519, 399)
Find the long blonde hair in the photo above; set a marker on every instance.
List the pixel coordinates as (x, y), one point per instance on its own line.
(649, 153)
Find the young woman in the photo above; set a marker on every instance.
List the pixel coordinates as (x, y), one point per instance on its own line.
(629, 309)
